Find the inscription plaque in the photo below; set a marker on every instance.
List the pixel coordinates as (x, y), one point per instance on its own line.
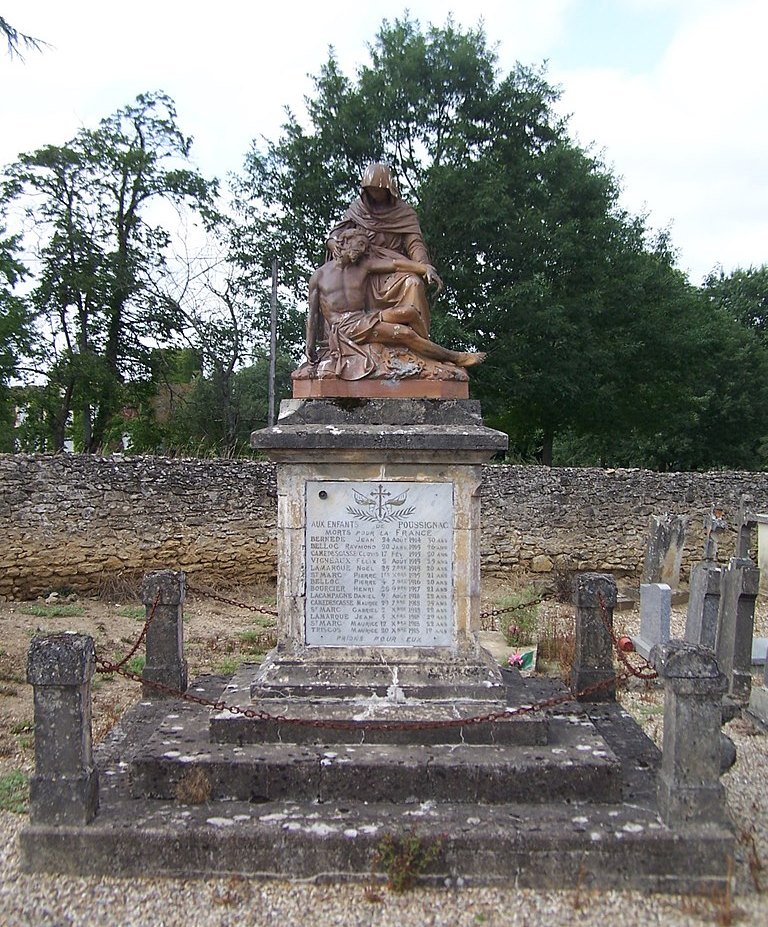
(379, 561)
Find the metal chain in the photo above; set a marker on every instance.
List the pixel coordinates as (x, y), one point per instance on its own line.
(495, 612)
(225, 601)
(640, 672)
(345, 725)
(492, 613)
(104, 666)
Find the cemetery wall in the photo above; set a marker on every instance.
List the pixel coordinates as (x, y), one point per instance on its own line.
(98, 523)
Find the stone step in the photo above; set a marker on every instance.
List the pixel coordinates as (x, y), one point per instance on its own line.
(373, 719)
(423, 676)
(576, 765)
(560, 844)
(594, 847)
(363, 721)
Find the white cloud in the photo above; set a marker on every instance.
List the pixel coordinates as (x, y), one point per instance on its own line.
(691, 138)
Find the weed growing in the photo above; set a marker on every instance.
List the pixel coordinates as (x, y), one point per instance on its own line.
(226, 667)
(194, 787)
(404, 859)
(519, 625)
(14, 792)
(55, 611)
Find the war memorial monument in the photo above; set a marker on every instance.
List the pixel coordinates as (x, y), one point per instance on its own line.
(379, 716)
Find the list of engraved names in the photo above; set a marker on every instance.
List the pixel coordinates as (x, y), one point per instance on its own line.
(379, 564)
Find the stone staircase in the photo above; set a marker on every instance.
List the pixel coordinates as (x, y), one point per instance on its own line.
(562, 797)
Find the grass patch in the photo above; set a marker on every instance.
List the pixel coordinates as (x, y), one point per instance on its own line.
(54, 611)
(258, 642)
(23, 727)
(226, 667)
(136, 664)
(131, 611)
(404, 859)
(14, 792)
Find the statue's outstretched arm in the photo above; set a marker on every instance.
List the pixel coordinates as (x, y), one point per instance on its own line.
(313, 321)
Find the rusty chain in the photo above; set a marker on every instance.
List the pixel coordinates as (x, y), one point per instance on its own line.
(341, 724)
(225, 601)
(646, 672)
(492, 613)
(104, 666)
(256, 714)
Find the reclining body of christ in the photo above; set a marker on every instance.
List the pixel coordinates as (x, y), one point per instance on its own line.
(338, 302)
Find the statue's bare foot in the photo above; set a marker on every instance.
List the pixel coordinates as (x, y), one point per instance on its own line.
(470, 358)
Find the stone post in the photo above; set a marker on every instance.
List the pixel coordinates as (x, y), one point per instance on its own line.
(164, 591)
(704, 604)
(65, 786)
(689, 787)
(739, 587)
(595, 598)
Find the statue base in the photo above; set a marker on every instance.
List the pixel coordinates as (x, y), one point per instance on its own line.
(369, 388)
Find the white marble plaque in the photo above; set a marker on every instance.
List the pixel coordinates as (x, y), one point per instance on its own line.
(379, 564)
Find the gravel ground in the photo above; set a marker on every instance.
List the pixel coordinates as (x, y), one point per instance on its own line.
(55, 901)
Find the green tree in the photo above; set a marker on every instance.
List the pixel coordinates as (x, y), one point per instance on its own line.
(98, 254)
(742, 294)
(542, 268)
(598, 346)
(16, 334)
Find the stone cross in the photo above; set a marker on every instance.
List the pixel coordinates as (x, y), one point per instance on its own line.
(714, 526)
(704, 597)
(736, 619)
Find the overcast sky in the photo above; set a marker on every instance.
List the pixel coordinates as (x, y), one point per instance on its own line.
(672, 93)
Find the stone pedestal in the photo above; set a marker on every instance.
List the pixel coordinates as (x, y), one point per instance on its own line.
(379, 548)
(689, 788)
(595, 596)
(162, 593)
(64, 788)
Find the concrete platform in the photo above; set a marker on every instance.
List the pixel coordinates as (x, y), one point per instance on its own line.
(328, 829)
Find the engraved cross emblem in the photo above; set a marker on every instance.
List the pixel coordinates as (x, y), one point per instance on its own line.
(380, 495)
(379, 507)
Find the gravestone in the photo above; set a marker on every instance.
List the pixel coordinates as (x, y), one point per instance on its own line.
(664, 551)
(655, 617)
(704, 598)
(736, 617)
(758, 699)
(761, 520)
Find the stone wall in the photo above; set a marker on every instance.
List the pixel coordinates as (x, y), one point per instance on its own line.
(94, 523)
(97, 523)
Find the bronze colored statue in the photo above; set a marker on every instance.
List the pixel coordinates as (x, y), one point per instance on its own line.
(368, 311)
(339, 295)
(394, 232)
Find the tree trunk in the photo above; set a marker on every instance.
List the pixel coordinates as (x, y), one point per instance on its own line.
(546, 447)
